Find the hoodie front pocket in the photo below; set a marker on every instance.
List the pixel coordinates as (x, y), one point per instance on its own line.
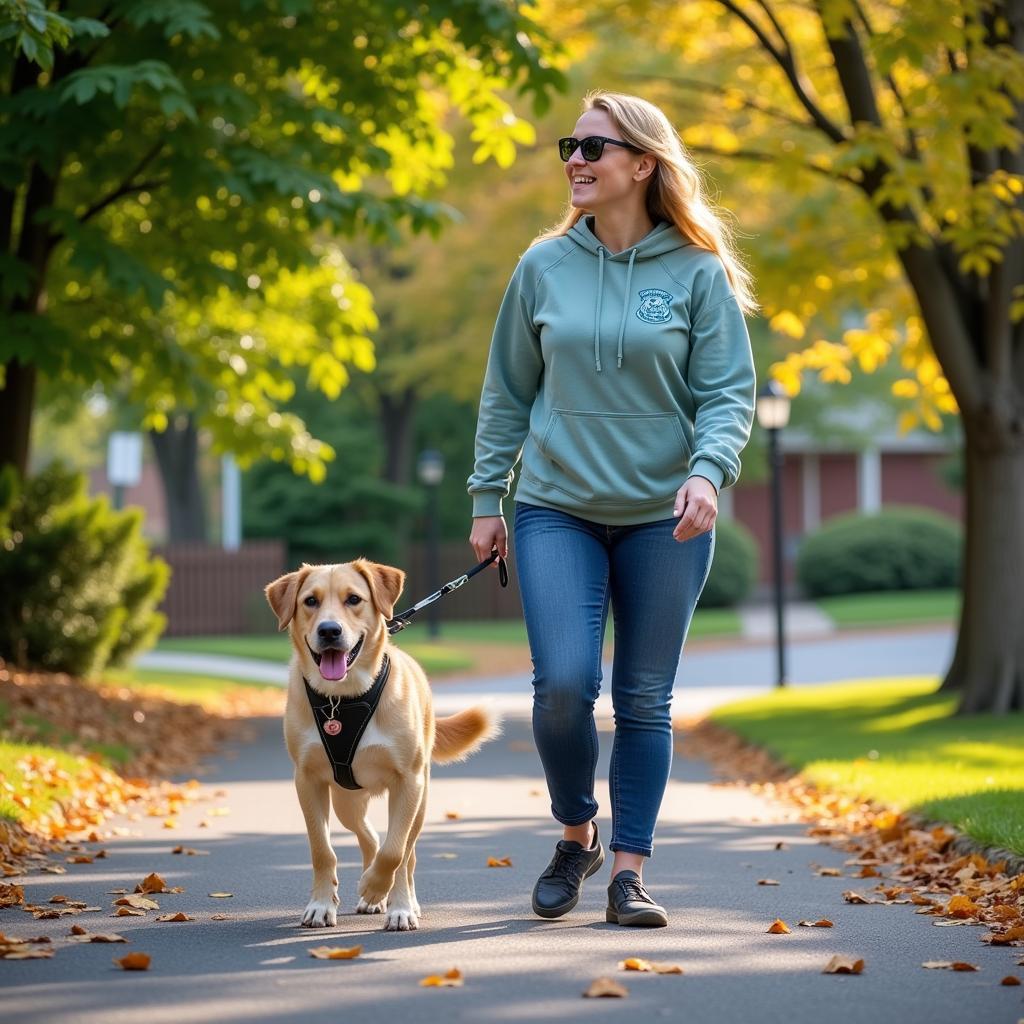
(612, 458)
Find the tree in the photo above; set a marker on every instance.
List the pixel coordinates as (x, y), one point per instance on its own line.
(891, 136)
(189, 152)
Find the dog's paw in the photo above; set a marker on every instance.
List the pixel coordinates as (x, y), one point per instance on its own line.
(362, 907)
(321, 914)
(375, 886)
(401, 919)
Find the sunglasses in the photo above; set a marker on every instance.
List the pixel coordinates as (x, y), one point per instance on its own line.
(591, 147)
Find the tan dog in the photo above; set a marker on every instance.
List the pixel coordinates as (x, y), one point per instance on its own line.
(336, 615)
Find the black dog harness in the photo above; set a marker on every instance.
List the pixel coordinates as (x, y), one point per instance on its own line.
(341, 722)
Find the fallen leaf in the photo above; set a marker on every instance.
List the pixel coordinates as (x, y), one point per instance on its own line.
(606, 987)
(85, 936)
(450, 979)
(335, 952)
(1010, 979)
(499, 862)
(856, 897)
(635, 963)
(767, 881)
(138, 902)
(220, 917)
(134, 962)
(11, 895)
(179, 916)
(843, 965)
(1014, 934)
(452, 815)
(128, 912)
(778, 927)
(949, 965)
(151, 883)
(170, 823)
(961, 906)
(222, 895)
(780, 845)
(446, 856)
(830, 872)
(26, 954)
(822, 923)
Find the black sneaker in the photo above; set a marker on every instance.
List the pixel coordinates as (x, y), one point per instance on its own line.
(630, 903)
(558, 890)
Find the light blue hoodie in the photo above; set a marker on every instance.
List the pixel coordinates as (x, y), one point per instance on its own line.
(616, 376)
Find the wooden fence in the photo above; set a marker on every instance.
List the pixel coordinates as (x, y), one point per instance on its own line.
(213, 591)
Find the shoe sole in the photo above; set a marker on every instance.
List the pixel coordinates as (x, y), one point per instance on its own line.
(639, 918)
(550, 914)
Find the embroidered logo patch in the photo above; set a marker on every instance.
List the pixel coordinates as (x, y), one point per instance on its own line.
(655, 306)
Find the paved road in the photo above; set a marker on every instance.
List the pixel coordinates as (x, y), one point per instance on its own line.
(712, 846)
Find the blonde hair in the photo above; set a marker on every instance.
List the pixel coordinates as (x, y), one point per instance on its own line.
(676, 191)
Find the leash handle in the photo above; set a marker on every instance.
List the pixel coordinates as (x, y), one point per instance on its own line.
(403, 619)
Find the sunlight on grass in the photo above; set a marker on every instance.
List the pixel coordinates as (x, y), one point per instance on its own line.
(898, 741)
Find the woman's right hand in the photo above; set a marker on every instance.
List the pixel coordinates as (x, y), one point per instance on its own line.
(489, 532)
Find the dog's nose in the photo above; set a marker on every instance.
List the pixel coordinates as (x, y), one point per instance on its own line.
(328, 632)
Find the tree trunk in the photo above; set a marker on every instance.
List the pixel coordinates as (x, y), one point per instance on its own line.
(17, 398)
(396, 423)
(177, 455)
(988, 666)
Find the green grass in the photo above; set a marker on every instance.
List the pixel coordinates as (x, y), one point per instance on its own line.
(898, 741)
(892, 607)
(43, 798)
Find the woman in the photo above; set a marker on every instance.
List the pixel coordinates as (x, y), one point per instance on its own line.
(621, 358)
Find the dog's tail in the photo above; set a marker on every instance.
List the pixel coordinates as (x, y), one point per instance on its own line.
(464, 733)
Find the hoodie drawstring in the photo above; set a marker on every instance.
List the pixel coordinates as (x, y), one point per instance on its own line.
(625, 305)
(597, 308)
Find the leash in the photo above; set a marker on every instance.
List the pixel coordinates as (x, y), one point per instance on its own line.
(400, 621)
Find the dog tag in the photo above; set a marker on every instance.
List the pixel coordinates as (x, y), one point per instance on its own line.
(332, 727)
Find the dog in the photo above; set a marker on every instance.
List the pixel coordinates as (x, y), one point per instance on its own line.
(337, 617)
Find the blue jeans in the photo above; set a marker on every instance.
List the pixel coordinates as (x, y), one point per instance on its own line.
(568, 569)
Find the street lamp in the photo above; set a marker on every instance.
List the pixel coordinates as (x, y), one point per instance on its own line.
(773, 415)
(430, 471)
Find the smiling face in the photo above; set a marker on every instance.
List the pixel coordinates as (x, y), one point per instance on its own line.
(335, 611)
(616, 176)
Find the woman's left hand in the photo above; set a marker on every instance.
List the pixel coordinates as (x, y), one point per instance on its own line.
(697, 503)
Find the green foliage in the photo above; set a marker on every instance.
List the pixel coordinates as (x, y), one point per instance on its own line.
(78, 590)
(733, 568)
(899, 548)
(173, 170)
(353, 512)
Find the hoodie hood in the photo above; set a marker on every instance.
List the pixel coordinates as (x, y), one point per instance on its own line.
(663, 238)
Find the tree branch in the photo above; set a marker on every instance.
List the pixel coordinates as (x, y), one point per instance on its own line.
(721, 90)
(128, 184)
(767, 158)
(786, 60)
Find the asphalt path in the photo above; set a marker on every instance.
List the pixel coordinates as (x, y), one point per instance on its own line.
(713, 843)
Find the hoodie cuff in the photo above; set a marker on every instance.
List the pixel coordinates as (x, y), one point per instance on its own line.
(709, 470)
(487, 503)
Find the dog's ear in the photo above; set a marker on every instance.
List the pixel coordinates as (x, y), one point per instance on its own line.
(385, 583)
(283, 593)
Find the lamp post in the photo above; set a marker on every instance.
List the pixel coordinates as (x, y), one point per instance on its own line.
(430, 471)
(773, 415)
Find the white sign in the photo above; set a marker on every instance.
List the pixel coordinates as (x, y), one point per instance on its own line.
(124, 459)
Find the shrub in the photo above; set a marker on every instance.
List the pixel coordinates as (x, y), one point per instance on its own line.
(899, 548)
(78, 588)
(734, 567)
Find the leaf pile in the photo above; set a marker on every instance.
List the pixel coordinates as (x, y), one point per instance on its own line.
(917, 863)
(54, 802)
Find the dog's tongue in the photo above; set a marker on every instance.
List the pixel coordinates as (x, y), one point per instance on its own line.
(333, 665)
